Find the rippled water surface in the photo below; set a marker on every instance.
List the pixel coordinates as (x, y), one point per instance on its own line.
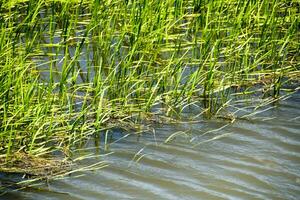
(257, 159)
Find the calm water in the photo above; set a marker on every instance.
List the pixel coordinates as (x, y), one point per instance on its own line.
(258, 159)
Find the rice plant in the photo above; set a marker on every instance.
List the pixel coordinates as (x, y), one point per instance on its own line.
(71, 69)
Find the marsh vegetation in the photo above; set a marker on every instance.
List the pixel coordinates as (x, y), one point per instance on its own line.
(69, 70)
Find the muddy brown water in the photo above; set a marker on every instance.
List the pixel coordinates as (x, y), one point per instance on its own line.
(257, 159)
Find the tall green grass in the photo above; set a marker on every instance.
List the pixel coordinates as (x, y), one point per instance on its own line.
(70, 69)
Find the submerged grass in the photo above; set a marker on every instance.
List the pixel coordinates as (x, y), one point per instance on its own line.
(71, 69)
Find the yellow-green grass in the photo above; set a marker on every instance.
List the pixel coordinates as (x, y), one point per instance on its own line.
(71, 69)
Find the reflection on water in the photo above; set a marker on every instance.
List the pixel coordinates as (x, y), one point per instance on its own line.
(257, 160)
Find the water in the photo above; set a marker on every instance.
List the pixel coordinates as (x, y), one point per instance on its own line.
(254, 159)
(257, 159)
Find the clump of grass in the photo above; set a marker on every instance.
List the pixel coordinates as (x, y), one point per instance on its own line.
(70, 69)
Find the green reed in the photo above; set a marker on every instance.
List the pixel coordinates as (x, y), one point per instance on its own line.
(70, 69)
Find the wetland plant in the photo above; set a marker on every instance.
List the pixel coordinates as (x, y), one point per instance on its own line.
(71, 69)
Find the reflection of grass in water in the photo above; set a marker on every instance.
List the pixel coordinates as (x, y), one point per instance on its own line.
(70, 70)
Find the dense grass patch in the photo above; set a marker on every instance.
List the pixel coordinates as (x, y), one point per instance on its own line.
(70, 69)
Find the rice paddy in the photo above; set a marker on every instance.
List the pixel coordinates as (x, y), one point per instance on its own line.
(69, 70)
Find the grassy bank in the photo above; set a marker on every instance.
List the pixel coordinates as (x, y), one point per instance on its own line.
(70, 69)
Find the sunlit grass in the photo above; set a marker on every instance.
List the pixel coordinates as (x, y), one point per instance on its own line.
(71, 69)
